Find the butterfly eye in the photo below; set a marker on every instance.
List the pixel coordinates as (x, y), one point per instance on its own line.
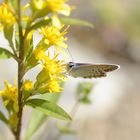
(71, 64)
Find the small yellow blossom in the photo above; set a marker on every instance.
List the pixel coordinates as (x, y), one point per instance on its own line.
(39, 53)
(53, 67)
(6, 16)
(10, 94)
(54, 36)
(37, 4)
(54, 86)
(28, 85)
(58, 6)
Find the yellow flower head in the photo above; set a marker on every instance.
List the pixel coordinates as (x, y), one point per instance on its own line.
(54, 36)
(58, 6)
(37, 4)
(28, 85)
(53, 67)
(54, 86)
(10, 94)
(39, 53)
(6, 16)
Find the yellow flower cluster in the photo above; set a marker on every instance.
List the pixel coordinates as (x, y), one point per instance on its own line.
(54, 70)
(55, 6)
(54, 86)
(53, 35)
(58, 6)
(10, 95)
(6, 16)
(53, 67)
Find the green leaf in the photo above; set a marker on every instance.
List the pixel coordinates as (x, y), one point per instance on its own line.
(8, 33)
(42, 76)
(73, 21)
(3, 118)
(40, 24)
(17, 42)
(29, 47)
(4, 54)
(31, 61)
(40, 13)
(48, 108)
(38, 118)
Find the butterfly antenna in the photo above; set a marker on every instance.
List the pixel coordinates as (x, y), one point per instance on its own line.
(70, 54)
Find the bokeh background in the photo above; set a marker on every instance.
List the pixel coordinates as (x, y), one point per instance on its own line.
(115, 38)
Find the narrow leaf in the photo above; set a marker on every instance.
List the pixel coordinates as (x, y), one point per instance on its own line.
(73, 21)
(40, 13)
(31, 61)
(3, 118)
(4, 53)
(48, 108)
(8, 33)
(38, 118)
(39, 24)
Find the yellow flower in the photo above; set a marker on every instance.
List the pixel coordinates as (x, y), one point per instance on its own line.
(53, 74)
(54, 36)
(37, 4)
(10, 94)
(53, 67)
(39, 53)
(6, 16)
(28, 85)
(54, 86)
(58, 6)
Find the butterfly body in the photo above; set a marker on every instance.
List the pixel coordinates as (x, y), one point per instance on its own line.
(86, 70)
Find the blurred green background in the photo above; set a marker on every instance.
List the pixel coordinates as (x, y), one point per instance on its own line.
(114, 113)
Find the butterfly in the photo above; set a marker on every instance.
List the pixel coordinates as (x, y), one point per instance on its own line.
(86, 70)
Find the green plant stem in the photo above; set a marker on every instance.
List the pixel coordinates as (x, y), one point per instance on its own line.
(20, 71)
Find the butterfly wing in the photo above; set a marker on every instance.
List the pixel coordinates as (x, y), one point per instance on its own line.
(91, 70)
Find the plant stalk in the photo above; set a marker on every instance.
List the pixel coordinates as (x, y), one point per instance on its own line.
(20, 72)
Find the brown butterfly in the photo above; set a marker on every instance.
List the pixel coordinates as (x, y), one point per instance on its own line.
(86, 70)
